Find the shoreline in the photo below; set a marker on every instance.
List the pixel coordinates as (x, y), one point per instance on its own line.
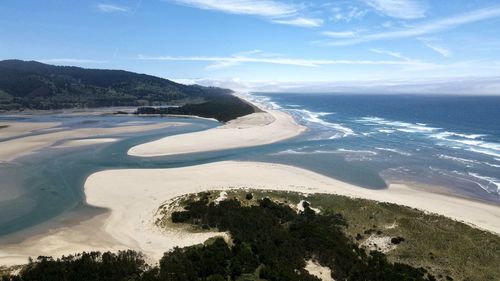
(259, 128)
(21, 146)
(131, 198)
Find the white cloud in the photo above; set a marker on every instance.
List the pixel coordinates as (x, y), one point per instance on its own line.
(402, 9)
(347, 14)
(425, 28)
(266, 8)
(300, 21)
(444, 85)
(434, 45)
(390, 53)
(110, 8)
(275, 11)
(455, 86)
(339, 34)
(219, 62)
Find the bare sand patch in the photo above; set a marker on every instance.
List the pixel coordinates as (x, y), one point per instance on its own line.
(14, 129)
(322, 272)
(133, 197)
(14, 148)
(251, 130)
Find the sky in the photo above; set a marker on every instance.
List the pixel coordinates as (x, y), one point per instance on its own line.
(277, 45)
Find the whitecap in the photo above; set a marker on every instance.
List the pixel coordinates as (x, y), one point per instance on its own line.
(492, 165)
(398, 125)
(458, 159)
(484, 151)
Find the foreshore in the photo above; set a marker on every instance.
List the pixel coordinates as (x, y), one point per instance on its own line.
(259, 128)
(130, 198)
(44, 137)
(133, 196)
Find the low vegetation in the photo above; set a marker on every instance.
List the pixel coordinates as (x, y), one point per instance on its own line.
(222, 108)
(448, 249)
(273, 235)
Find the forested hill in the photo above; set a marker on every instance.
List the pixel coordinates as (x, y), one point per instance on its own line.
(34, 85)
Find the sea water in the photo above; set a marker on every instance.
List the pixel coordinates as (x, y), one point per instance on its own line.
(449, 143)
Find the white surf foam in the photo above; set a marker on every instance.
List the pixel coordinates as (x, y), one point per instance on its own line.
(469, 142)
(394, 151)
(357, 151)
(314, 118)
(489, 184)
(397, 125)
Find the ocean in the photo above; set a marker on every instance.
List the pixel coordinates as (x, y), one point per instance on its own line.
(448, 144)
(447, 141)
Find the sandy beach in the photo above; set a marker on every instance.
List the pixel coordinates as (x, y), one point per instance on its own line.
(15, 129)
(132, 197)
(251, 130)
(14, 148)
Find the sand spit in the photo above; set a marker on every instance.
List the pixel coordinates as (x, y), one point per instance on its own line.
(250, 130)
(133, 196)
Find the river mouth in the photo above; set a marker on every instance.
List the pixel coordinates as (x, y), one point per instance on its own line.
(48, 184)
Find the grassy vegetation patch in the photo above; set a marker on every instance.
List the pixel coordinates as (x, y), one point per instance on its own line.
(442, 246)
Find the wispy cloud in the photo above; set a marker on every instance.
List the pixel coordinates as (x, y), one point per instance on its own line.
(275, 11)
(339, 34)
(72, 61)
(300, 21)
(219, 62)
(423, 29)
(444, 85)
(436, 46)
(111, 8)
(347, 14)
(402, 9)
(391, 53)
(248, 7)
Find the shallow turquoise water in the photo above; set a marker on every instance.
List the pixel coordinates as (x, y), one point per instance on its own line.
(362, 141)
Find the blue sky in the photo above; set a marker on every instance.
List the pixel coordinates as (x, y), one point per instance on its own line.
(266, 42)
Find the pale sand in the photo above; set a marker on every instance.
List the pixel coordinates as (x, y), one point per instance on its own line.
(133, 197)
(85, 142)
(15, 148)
(250, 130)
(322, 272)
(15, 129)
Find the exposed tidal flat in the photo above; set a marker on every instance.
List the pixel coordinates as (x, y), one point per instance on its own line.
(122, 193)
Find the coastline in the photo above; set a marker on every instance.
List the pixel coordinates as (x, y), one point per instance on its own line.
(133, 196)
(256, 129)
(130, 198)
(17, 147)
